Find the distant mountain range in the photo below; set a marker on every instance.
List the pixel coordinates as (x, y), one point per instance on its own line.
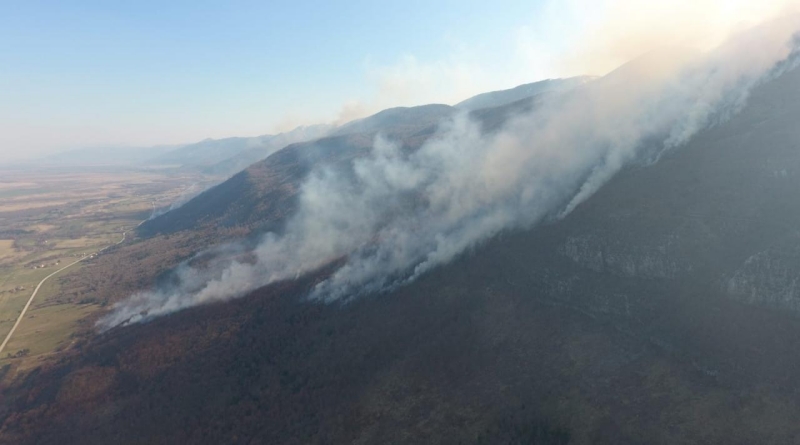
(225, 157)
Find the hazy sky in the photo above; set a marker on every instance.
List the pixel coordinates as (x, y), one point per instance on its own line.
(93, 73)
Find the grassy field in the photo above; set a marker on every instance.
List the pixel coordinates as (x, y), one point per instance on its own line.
(8, 253)
(48, 220)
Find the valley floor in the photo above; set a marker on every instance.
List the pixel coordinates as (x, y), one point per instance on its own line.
(52, 218)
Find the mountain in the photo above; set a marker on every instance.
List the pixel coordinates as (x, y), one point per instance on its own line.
(504, 97)
(261, 196)
(663, 309)
(266, 147)
(208, 152)
(401, 120)
(230, 155)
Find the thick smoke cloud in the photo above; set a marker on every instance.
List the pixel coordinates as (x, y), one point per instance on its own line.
(397, 214)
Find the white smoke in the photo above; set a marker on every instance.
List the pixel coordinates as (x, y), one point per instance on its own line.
(397, 214)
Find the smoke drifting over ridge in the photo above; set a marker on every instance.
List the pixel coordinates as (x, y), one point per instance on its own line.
(396, 215)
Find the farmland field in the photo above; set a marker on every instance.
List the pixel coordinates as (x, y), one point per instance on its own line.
(51, 219)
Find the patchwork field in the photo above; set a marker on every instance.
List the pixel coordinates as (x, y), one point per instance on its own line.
(51, 219)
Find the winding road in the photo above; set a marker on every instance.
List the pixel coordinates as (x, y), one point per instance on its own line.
(35, 291)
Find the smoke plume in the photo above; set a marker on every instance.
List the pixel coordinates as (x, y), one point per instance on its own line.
(396, 214)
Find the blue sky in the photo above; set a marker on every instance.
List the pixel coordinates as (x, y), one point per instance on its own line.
(94, 73)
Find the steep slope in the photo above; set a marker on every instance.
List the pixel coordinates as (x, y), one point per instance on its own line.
(208, 152)
(230, 155)
(663, 310)
(244, 158)
(258, 198)
(261, 195)
(402, 121)
(707, 212)
(503, 97)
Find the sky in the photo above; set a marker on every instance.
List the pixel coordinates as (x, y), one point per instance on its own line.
(79, 74)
